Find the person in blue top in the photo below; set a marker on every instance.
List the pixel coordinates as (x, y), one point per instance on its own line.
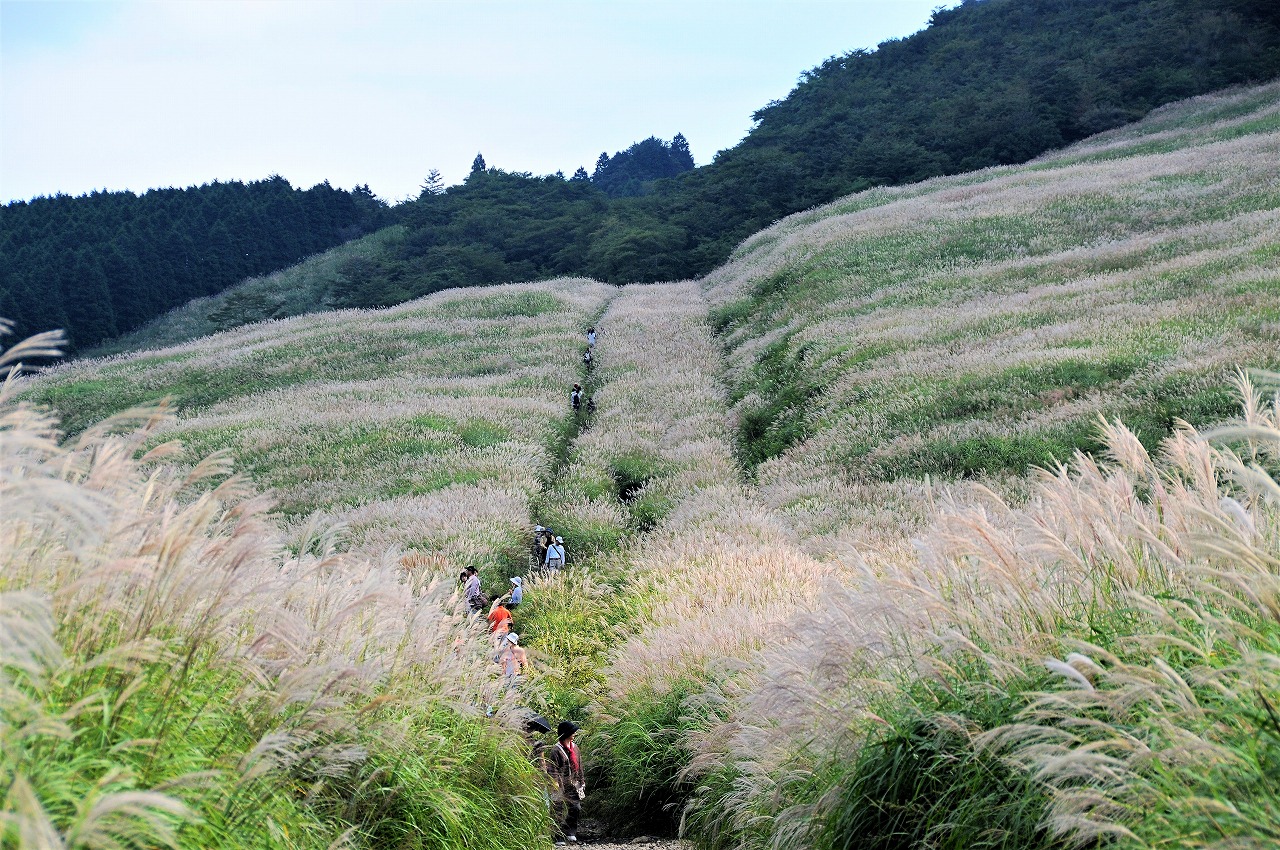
(516, 596)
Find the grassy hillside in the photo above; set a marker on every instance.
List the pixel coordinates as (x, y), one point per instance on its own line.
(990, 82)
(818, 594)
(983, 323)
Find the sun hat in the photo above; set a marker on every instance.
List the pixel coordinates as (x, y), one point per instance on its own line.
(566, 728)
(538, 528)
(513, 638)
(517, 581)
(559, 539)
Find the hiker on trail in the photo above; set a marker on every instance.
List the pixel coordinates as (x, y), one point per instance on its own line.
(475, 598)
(534, 728)
(565, 768)
(511, 658)
(591, 337)
(499, 622)
(555, 555)
(576, 397)
(587, 358)
(540, 542)
(591, 405)
(516, 596)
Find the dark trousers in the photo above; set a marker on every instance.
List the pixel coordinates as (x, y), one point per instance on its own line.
(568, 813)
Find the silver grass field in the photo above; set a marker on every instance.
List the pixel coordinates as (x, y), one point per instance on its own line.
(942, 516)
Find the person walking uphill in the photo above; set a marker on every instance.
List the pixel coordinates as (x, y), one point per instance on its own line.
(564, 763)
(499, 622)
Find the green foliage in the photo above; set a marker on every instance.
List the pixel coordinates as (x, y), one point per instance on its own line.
(787, 385)
(574, 621)
(453, 781)
(922, 782)
(639, 758)
(518, 305)
(632, 471)
(161, 723)
(314, 284)
(135, 257)
(631, 172)
(649, 509)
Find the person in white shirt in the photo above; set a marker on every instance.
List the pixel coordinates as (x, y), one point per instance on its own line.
(555, 555)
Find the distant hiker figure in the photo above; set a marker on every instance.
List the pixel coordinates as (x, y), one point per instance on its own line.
(591, 405)
(516, 596)
(499, 622)
(555, 555)
(541, 540)
(591, 337)
(475, 598)
(576, 397)
(587, 358)
(565, 766)
(511, 658)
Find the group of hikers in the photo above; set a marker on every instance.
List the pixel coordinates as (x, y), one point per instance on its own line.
(561, 761)
(588, 358)
(509, 655)
(550, 553)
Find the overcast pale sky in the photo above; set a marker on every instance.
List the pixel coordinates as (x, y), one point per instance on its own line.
(134, 95)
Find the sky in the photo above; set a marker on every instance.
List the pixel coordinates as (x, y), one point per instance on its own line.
(96, 94)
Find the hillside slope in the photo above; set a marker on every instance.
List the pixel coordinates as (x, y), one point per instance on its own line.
(792, 617)
(983, 323)
(990, 82)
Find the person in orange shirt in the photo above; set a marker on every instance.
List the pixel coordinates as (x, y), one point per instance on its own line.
(499, 622)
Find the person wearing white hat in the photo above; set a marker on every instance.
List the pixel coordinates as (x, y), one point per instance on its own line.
(516, 596)
(512, 658)
(555, 555)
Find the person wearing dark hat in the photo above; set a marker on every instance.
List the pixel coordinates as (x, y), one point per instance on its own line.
(534, 728)
(565, 766)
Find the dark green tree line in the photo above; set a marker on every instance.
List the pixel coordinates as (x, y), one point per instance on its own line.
(105, 263)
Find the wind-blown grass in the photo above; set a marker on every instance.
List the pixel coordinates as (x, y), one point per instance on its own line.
(980, 324)
(820, 594)
(173, 675)
(1102, 656)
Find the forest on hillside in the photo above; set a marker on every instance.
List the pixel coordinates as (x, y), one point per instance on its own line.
(989, 82)
(102, 264)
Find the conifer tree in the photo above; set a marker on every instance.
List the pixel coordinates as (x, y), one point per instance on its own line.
(680, 153)
(477, 165)
(434, 184)
(580, 174)
(602, 165)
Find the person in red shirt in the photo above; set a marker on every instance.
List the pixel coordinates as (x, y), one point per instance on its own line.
(499, 621)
